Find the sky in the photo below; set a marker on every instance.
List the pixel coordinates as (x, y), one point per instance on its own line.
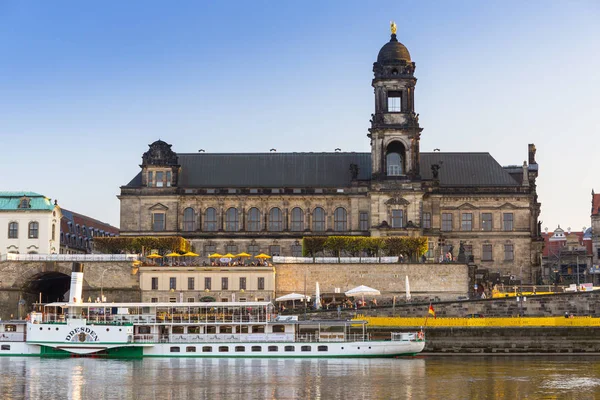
(86, 86)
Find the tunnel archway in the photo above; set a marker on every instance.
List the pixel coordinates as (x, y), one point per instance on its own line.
(49, 286)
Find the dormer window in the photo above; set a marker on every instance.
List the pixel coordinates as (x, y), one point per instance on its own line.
(159, 179)
(168, 178)
(24, 203)
(394, 101)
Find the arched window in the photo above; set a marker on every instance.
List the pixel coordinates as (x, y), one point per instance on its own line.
(340, 219)
(210, 220)
(188, 220)
(297, 219)
(275, 220)
(395, 159)
(54, 231)
(34, 229)
(232, 220)
(319, 220)
(254, 220)
(13, 230)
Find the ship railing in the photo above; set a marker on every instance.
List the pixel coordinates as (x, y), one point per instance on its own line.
(348, 337)
(215, 338)
(404, 336)
(12, 337)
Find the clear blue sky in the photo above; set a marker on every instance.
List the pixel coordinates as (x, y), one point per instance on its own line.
(86, 86)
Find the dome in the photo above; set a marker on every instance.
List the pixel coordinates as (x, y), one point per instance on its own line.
(393, 52)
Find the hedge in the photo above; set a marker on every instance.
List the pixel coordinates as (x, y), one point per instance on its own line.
(137, 244)
(412, 247)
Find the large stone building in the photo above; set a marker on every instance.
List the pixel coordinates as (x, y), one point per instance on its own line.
(78, 231)
(266, 202)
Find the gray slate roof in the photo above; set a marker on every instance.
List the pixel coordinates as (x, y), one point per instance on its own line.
(278, 170)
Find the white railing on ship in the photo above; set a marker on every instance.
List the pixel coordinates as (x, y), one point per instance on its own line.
(69, 257)
(334, 260)
(214, 338)
(404, 336)
(348, 337)
(12, 337)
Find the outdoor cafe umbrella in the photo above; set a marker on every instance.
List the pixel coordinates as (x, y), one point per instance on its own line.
(173, 254)
(190, 254)
(215, 255)
(154, 255)
(293, 297)
(228, 255)
(263, 256)
(362, 291)
(243, 255)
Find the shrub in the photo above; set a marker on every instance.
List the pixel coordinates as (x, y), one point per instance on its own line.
(137, 244)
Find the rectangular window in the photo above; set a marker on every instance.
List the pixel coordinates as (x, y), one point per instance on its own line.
(261, 283)
(486, 254)
(363, 221)
(467, 222)
(168, 178)
(509, 253)
(172, 283)
(231, 248)
(426, 220)
(159, 179)
(296, 250)
(154, 300)
(446, 222)
(155, 283)
(507, 219)
(172, 299)
(275, 250)
(430, 247)
(207, 283)
(397, 218)
(486, 222)
(242, 283)
(149, 183)
(210, 249)
(5, 347)
(158, 222)
(13, 230)
(191, 299)
(224, 283)
(191, 283)
(394, 101)
(253, 249)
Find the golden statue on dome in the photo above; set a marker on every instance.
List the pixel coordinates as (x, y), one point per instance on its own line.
(393, 27)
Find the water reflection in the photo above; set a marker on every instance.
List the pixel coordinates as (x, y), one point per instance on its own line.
(417, 378)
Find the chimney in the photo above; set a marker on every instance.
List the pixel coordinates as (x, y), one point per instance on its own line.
(76, 283)
(525, 175)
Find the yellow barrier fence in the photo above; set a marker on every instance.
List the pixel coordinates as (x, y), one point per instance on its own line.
(494, 322)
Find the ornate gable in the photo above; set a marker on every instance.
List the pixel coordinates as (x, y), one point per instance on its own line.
(159, 207)
(397, 200)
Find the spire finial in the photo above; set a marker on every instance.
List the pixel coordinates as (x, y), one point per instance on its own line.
(393, 27)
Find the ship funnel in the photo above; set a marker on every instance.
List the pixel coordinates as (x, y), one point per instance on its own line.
(76, 283)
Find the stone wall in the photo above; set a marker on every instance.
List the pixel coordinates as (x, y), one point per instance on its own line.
(118, 283)
(445, 281)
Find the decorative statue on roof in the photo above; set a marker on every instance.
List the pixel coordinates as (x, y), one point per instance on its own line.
(435, 170)
(393, 27)
(159, 153)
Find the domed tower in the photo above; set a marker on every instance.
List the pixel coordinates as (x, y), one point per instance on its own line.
(160, 167)
(395, 130)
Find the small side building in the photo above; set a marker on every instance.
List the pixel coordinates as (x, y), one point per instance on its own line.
(77, 232)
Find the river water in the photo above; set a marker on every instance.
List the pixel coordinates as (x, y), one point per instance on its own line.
(426, 377)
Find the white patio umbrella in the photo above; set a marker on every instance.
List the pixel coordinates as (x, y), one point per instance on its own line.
(362, 291)
(317, 298)
(407, 289)
(293, 297)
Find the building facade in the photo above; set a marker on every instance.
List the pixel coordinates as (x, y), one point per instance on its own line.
(267, 202)
(223, 284)
(595, 234)
(77, 232)
(30, 224)
(567, 257)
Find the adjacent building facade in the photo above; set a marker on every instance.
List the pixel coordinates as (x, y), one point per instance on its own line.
(595, 234)
(567, 257)
(30, 223)
(267, 202)
(77, 232)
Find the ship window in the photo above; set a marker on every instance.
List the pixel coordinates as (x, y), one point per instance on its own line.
(144, 330)
(10, 328)
(211, 329)
(258, 329)
(190, 349)
(175, 349)
(244, 328)
(178, 330)
(305, 348)
(193, 329)
(322, 348)
(5, 347)
(240, 349)
(207, 349)
(278, 328)
(225, 329)
(223, 349)
(273, 348)
(256, 348)
(290, 348)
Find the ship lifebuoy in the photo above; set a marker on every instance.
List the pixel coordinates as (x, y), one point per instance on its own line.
(420, 335)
